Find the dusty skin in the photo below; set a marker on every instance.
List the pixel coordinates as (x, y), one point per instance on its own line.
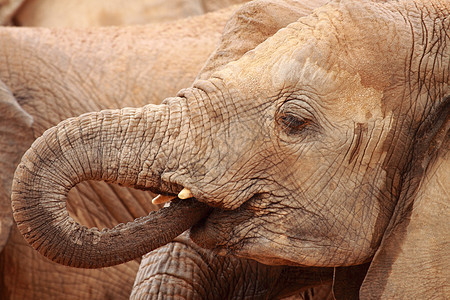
(326, 146)
(98, 204)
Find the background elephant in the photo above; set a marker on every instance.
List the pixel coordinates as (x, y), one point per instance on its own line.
(88, 13)
(49, 75)
(325, 150)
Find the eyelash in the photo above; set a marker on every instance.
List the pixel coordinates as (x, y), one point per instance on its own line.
(292, 124)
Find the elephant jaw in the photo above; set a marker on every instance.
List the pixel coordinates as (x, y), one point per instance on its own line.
(208, 231)
(213, 238)
(215, 230)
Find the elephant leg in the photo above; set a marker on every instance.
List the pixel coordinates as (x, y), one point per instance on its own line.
(181, 269)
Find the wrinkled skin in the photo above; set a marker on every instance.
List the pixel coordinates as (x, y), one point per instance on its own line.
(49, 75)
(183, 269)
(195, 273)
(198, 273)
(326, 145)
(89, 13)
(50, 280)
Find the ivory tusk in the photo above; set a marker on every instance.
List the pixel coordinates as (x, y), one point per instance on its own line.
(185, 194)
(162, 199)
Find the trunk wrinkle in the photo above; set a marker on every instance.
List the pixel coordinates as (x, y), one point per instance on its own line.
(98, 146)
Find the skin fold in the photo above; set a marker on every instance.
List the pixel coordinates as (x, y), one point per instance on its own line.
(325, 146)
(204, 275)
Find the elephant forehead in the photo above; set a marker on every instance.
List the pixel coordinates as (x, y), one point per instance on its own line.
(289, 65)
(337, 90)
(351, 54)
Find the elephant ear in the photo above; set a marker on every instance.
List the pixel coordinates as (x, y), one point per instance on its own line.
(413, 260)
(251, 25)
(15, 138)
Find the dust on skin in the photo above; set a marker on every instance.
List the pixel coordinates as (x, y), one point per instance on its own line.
(110, 18)
(344, 97)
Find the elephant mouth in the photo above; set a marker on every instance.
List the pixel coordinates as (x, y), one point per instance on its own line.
(214, 230)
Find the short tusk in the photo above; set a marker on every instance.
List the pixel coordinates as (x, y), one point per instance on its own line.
(185, 194)
(160, 199)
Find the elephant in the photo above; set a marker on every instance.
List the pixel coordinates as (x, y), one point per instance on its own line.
(30, 105)
(88, 13)
(48, 75)
(325, 146)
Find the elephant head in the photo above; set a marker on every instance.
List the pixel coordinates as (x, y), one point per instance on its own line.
(320, 147)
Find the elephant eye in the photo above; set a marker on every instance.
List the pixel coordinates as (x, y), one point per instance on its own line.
(291, 124)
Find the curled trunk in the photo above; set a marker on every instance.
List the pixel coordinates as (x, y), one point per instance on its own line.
(98, 146)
